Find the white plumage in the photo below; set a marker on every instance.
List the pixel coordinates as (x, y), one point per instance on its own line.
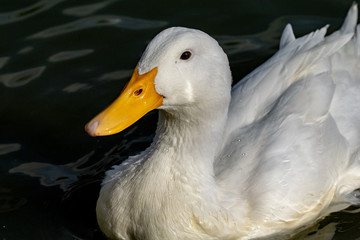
(276, 152)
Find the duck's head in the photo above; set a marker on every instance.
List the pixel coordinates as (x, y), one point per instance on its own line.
(181, 68)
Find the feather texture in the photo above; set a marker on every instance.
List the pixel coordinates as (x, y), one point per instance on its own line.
(278, 151)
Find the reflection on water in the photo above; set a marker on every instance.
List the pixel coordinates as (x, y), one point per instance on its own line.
(61, 63)
(62, 56)
(23, 13)
(55, 175)
(67, 176)
(76, 87)
(116, 75)
(85, 10)
(9, 148)
(3, 61)
(98, 21)
(25, 50)
(317, 233)
(21, 78)
(266, 39)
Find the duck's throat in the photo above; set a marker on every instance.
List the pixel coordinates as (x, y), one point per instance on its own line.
(178, 176)
(189, 142)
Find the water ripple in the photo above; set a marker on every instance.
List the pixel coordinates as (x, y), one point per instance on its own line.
(66, 55)
(10, 202)
(65, 176)
(237, 44)
(25, 50)
(53, 175)
(9, 148)
(75, 87)
(98, 21)
(85, 10)
(3, 61)
(23, 13)
(21, 78)
(117, 75)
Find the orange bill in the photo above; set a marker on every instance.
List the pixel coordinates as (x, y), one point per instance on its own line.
(138, 98)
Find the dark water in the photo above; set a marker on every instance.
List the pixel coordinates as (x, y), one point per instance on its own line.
(61, 62)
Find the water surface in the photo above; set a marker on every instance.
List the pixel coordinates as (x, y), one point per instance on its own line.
(61, 62)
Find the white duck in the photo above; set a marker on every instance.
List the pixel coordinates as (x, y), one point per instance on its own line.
(276, 152)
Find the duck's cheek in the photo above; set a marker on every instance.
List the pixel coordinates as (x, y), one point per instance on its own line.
(176, 93)
(175, 101)
(138, 98)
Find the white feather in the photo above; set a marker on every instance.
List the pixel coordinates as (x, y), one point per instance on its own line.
(287, 36)
(277, 152)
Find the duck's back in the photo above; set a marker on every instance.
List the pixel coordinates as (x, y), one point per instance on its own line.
(345, 107)
(293, 131)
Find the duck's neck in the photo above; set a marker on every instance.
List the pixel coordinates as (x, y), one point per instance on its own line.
(181, 159)
(180, 164)
(189, 144)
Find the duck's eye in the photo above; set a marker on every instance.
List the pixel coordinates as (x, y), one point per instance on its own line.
(185, 55)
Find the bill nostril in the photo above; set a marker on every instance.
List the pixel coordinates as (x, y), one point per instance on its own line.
(138, 92)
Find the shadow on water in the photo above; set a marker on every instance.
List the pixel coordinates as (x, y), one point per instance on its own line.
(61, 62)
